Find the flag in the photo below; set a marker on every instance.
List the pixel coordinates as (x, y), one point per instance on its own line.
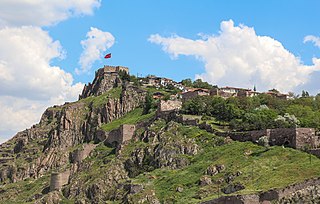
(107, 56)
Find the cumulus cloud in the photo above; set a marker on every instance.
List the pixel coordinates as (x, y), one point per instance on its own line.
(315, 40)
(43, 12)
(96, 43)
(27, 80)
(237, 56)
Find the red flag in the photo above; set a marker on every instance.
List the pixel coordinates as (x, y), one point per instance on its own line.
(107, 56)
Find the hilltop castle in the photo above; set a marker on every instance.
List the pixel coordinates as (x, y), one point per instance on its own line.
(111, 69)
(105, 79)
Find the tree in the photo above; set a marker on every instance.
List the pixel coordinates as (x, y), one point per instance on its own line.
(149, 103)
(286, 121)
(187, 82)
(201, 84)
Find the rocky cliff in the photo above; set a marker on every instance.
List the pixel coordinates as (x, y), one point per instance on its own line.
(106, 148)
(46, 146)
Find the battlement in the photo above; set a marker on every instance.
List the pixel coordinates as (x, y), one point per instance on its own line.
(113, 69)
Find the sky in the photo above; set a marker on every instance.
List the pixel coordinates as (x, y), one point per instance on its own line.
(50, 49)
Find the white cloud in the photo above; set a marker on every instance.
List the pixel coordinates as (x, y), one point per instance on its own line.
(28, 82)
(237, 56)
(43, 12)
(315, 40)
(96, 43)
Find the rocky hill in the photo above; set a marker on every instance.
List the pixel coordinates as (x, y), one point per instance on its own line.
(113, 146)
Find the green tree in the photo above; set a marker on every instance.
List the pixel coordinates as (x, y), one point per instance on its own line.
(187, 82)
(201, 84)
(149, 103)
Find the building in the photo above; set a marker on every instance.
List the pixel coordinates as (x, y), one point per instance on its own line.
(278, 95)
(112, 69)
(226, 92)
(194, 92)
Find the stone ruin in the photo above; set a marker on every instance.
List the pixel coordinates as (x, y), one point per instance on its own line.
(269, 196)
(298, 138)
(80, 154)
(118, 136)
(168, 109)
(105, 79)
(58, 180)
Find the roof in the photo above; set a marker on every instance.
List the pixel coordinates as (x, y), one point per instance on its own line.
(230, 87)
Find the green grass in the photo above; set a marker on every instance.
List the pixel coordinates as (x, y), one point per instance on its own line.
(132, 117)
(97, 101)
(21, 191)
(262, 170)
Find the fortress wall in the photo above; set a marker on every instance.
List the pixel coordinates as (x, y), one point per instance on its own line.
(59, 179)
(305, 136)
(283, 136)
(80, 154)
(127, 132)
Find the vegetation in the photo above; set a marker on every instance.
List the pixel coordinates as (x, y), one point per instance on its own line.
(18, 193)
(258, 112)
(282, 167)
(103, 98)
(198, 83)
(132, 117)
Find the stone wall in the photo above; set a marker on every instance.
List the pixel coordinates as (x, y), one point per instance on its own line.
(59, 179)
(236, 199)
(315, 152)
(126, 132)
(169, 105)
(118, 136)
(80, 154)
(291, 137)
(167, 109)
(110, 69)
(305, 136)
(266, 197)
(282, 136)
(188, 120)
(252, 136)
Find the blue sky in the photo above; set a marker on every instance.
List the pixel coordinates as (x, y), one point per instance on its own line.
(132, 22)
(50, 49)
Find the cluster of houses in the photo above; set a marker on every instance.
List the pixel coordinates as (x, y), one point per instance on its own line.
(189, 93)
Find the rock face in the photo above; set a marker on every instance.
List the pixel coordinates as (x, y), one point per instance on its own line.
(47, 145)
(165, 150)
(105, 79)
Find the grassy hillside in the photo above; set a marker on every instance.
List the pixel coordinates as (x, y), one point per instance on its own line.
(133, 117)
(257, 168)
(261, 170)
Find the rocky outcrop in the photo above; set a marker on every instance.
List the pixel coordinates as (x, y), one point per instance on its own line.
(47, 145)
(165, 149)
(104, 81)
(109, 185)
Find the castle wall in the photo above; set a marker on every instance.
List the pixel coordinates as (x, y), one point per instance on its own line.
(58, 180)
(268, 196)
(114, 69)
(169, 105)
(118, 136)
(127, 132)
(305, 136)
(80, 154)
(252, 136)
(283, 136)
(292, 137)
